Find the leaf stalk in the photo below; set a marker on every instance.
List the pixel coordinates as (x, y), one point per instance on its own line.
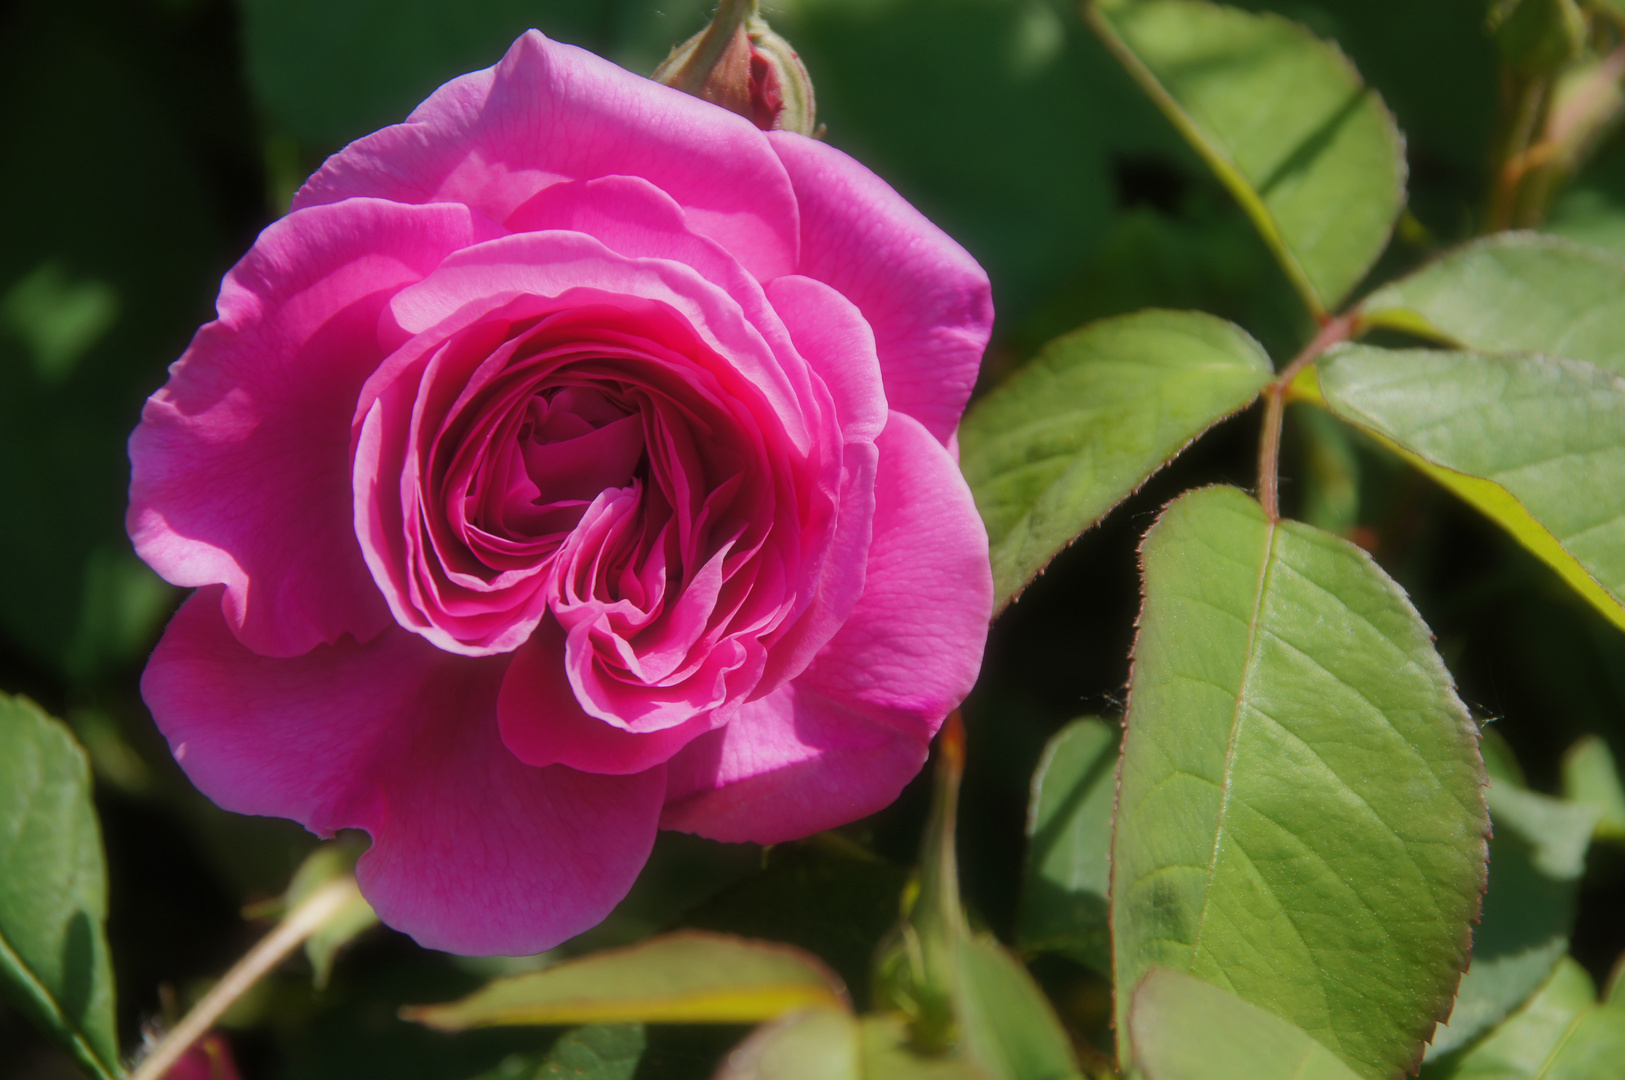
(1333, 331)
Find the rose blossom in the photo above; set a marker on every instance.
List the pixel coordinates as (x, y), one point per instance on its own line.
(574, 460)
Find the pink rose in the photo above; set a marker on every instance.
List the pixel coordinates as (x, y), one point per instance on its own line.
(574, 460)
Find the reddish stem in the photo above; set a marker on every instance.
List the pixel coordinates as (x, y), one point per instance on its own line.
(1334, 330)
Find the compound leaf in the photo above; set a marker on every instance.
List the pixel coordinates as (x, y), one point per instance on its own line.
(1301, 813)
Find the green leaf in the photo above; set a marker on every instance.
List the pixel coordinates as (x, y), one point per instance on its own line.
(1186, 1029)
(1537, 856)
(825, 1044)
(1561, 1033)
(1099, 410)
(1301, 812)
(1006, 1024)
(687, 977)
(1069, 840)
(1514, 293)
(1537, 444)
(54, 964)
(1590, 777)
(837, 902)
(819, 1044)
(596, 1052)
(1283, 119)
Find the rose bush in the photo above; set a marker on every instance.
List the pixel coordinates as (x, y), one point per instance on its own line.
(573, 460)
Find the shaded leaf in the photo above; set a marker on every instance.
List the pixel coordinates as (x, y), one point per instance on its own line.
(1078, 429)
(1006, 1024)
(1514, 293)
(1556, 1035)
(1537, 857)
(686, 977)
(836, 903)
(1536, 444)
(1300, 810)
(596, 1052)
(54, 964)
(1591, 777)
(1312, 155)
(1069, 839)
(1185, 1029)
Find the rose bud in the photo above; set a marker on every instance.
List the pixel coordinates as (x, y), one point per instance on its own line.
(574, 460)
(738, 62)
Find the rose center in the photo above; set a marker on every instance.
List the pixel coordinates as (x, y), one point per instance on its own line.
(571, 444)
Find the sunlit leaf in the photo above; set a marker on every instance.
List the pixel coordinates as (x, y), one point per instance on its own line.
(54, 964)
(1537, 856)
(1591, 777)
(820, 1044)
(686, 977)
(1078, 429)
(1514, 293)
(1186, 1029)
(1310, 152)
(1561, 1033)
(1300, 812)
(1537, 444)
(1069, 840)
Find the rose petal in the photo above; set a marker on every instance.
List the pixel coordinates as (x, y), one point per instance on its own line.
(240, 467)
(472, 851)
(841, 740)
(549, 112)
(788, 765)
(544, 724)
(928, 301)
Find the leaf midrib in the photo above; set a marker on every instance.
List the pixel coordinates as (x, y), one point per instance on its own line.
(1226, 786)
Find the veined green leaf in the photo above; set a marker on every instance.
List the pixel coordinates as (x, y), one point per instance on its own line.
(1591, 777)
(1074, 432)
(1537, 857)
(1301, 812)
(1561, 1033)
(687, 977)
(1536, 444)
(1283, 119)
(1069, 840)
(1186, 1029)
(1514, 293)
(54, 964)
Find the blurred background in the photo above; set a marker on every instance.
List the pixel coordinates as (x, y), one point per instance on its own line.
(143, 145)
